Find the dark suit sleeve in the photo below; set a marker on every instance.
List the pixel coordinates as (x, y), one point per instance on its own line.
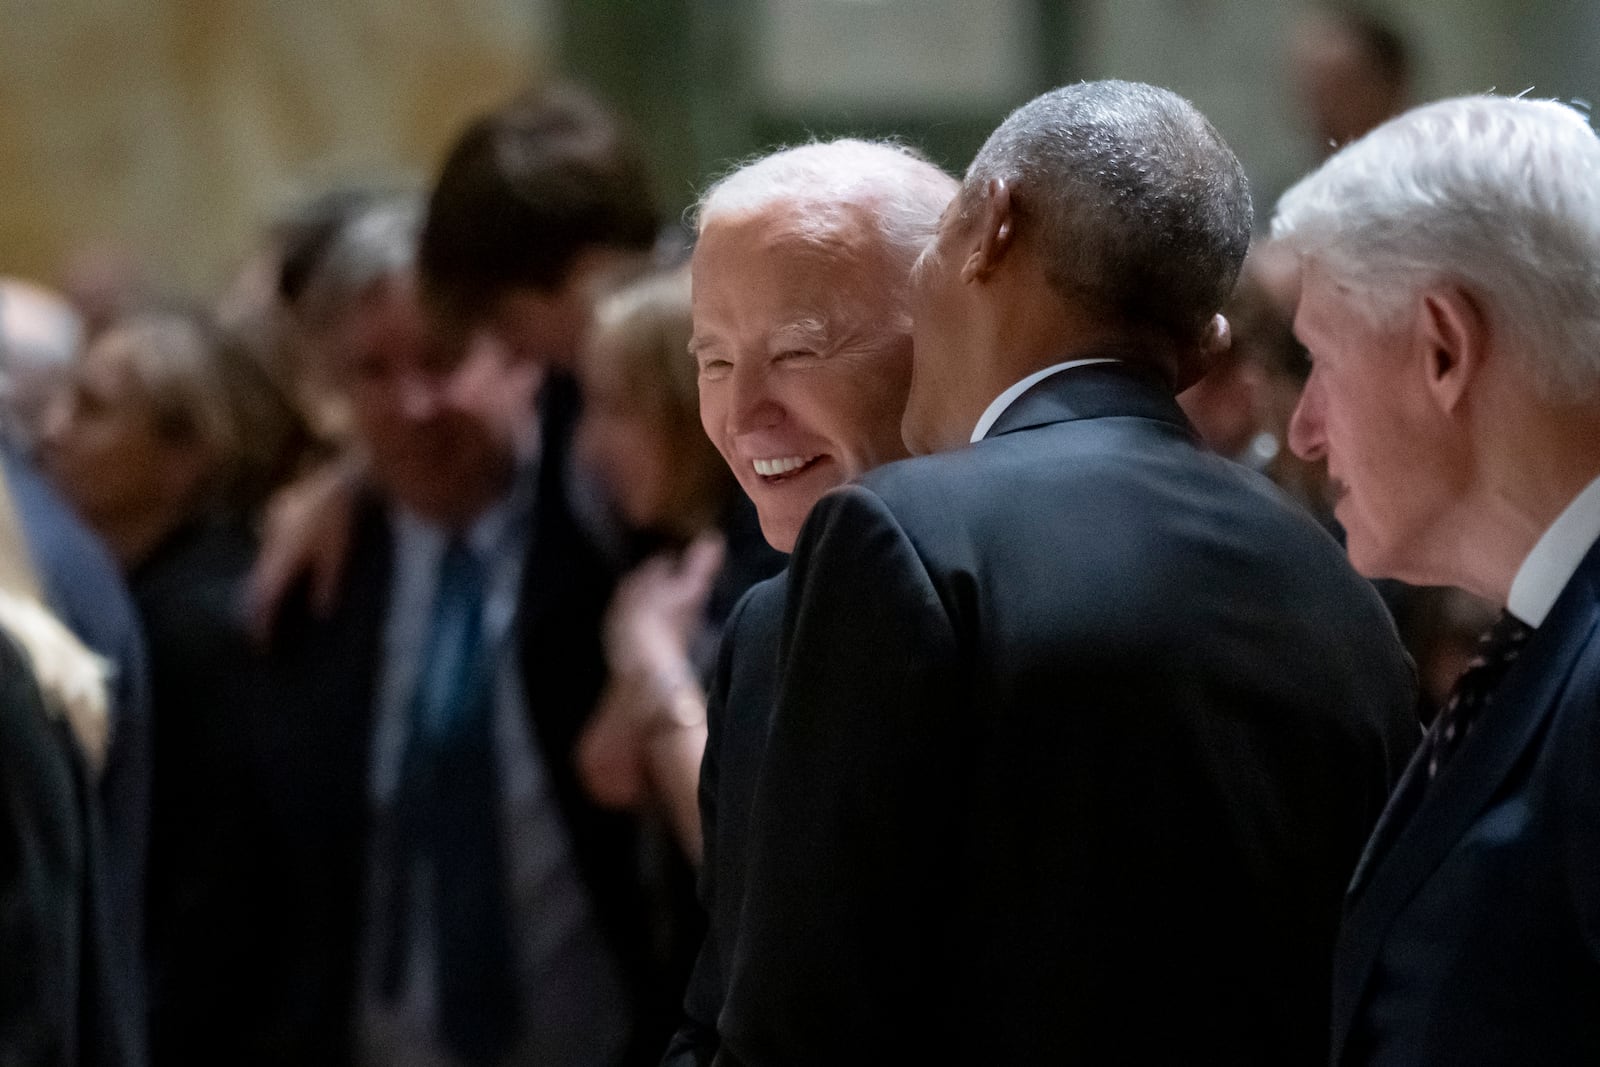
(695, 1043)
(840, 944)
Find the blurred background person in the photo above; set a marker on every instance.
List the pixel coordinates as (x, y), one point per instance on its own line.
(1352, 68)
(640, 433)
(452, 894)
(166, 441)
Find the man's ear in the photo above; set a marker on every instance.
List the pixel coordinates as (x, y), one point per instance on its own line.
(995, 229)
(1451, 342)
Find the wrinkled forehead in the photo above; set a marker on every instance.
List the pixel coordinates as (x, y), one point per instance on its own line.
(763, 273)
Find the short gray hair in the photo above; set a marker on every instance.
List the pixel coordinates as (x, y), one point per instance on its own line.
(377, 245)
(1139, 207)
(826, 184)
(1496, 194)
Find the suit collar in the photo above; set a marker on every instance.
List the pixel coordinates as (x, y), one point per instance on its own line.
(1092, 392)
(1421, 825)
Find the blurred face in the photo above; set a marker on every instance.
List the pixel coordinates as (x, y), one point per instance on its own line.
(549, 327)
(442, 417)
(103, 448)
(803, 359)
(1367, 413)
(624, 441)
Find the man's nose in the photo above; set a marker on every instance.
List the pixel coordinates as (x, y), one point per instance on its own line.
(1306, 434)
(752, 406)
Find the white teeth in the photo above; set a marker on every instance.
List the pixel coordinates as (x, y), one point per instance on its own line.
(771, 468)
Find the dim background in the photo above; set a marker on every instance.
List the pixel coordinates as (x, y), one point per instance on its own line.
(171, 130)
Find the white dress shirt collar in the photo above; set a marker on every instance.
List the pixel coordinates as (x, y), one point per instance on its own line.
(998, 407)
(1555, 557)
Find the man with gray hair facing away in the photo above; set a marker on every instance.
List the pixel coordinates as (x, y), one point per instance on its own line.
(1450, 301)
(1079, 729)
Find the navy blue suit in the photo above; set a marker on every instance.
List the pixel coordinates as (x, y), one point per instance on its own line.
(1472, 926)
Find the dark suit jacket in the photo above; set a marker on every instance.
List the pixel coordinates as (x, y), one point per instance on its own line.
(62, 998)
(315, 757)
(209, 688)
(1472, 928)
(1079, 735)
(738, 709)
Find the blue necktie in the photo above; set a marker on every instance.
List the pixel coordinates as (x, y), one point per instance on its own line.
(447, 818)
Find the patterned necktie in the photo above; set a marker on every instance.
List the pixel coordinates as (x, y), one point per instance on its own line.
(1497, 651)
(448, 817)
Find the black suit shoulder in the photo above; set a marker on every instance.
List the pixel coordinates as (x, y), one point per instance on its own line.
(738, 713)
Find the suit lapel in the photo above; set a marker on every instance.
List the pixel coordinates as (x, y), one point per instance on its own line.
(1414, 836)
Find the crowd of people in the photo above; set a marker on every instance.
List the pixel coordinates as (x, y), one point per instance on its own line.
(908, 618)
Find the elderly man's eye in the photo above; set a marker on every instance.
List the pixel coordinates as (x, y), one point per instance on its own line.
(797, 355)
(714, 369)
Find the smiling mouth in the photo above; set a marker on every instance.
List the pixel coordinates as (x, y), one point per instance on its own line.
(782, 468)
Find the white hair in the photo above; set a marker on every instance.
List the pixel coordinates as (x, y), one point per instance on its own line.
(1498, 195)
(377, 245)
(827, 182)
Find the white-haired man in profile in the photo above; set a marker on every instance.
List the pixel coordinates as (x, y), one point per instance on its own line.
(802, 334)
(1451, 306)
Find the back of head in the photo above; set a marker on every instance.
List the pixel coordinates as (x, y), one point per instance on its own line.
(1499, 196)
(527, 189)
(841, 188)
(1137, 209)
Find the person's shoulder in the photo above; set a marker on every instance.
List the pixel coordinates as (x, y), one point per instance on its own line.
(760, 609)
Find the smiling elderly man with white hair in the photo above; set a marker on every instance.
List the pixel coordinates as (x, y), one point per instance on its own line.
(802, 336)
(1451, 306)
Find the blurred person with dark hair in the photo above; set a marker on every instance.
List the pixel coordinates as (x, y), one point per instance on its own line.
(539, 205)
(537, 202)
(453, 895)
(168, 439)
(1352, 69)
(60, 1001)
(641, 434)
(1050, 776)
(1451, 307)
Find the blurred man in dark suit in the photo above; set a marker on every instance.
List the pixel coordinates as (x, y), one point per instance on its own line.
(451, 895)
(1451, 307)
(1051, 776)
